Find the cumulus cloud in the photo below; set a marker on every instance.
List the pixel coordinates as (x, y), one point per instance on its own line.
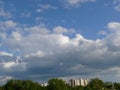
(59, 30)
(114, 26)
(36, 54)
(9, 24)
(47, 53)
(3, 35)
(13, 66)
(62, 30)
(16, 36)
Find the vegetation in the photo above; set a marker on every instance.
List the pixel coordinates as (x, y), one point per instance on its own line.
(58, 84)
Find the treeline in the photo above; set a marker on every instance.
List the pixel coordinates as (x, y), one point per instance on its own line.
(58, 84)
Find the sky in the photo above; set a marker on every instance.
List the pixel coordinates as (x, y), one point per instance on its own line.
(43, 39)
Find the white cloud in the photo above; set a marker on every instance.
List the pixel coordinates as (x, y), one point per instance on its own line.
(3, 35)
(116, 4)
(43, 49)
(6, 25)
(60, 30)
(117, 7)
(72, 2)
(42, 8)
(16, 36)
(9, 24)
(36, 54)
(3, 53)
(46, 6)
(76, 2)
(13, 66)
(102, 32)
(40, 19)
(3, 13)
(37, 30)
(114, 26)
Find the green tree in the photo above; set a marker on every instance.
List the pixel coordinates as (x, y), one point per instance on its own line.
(56, 84)
(1, 88)
(79, 88)
(96, 84)
(22, 85)
(117, 86)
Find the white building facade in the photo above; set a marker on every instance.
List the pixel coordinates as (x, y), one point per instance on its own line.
(78, 82)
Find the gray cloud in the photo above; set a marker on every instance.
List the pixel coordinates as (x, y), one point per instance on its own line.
(5, 54)
(46, 54)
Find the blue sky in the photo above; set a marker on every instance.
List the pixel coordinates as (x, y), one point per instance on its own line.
(41, 39)
(87, 18)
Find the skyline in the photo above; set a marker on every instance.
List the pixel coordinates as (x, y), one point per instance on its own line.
(55, 38)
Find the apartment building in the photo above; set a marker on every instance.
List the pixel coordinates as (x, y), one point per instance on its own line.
(78, 82)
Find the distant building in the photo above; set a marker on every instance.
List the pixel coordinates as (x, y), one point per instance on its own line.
(86, 82)
(71, 82)
(78, 82)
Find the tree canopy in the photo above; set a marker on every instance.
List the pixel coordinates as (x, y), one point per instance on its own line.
(58, 84)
